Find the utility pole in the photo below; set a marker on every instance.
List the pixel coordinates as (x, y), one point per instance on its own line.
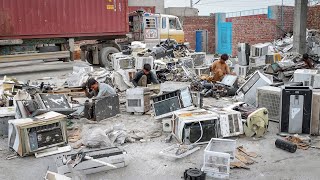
(191, 4)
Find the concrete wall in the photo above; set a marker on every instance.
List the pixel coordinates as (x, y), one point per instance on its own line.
(182, 11)
(159, 4)
(314, 17)
(252, 29)
(191, 24)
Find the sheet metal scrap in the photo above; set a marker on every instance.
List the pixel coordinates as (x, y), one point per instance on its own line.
(298, 142)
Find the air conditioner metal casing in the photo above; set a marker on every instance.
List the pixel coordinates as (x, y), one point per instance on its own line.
(120, 61)
(306, 76)
(243, 54)
(199, 59)
(138, 100)
(269, 97)
(141, 61)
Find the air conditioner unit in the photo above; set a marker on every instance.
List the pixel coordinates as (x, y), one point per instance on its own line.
(199, 58)
(202, 71)
(187, 62)
(130, 74)
(54, 102)
(259, 50)
(273, 58)
(229, 80)
(296, 104)
(138, 100)
(249, 88)
(256, 62)
(196, 126)
(243, 54)
(315, 120)
(306, 76)
(122, 62)
(28, 136)
(241, 70)
(230, 122)
(165, 104)
(105, 107)
(141, 61)
(269, 97)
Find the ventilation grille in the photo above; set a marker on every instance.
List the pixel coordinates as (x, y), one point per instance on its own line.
(134, 102)
(271, 101)
(234, 126)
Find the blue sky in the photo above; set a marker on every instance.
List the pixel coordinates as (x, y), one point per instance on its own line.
(213, 6)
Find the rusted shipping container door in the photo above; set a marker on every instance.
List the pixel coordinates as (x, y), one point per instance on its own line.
(62, 18)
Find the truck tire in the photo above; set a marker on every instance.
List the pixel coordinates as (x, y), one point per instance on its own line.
(105, 58)
(89, 57)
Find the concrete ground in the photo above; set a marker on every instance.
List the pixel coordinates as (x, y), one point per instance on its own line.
(146, 163)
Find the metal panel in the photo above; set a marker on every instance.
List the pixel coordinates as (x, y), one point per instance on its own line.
(23, 19)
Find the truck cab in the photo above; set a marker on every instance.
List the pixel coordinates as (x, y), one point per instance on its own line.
(155, 28)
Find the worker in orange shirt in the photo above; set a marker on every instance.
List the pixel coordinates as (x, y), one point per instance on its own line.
(220, 68)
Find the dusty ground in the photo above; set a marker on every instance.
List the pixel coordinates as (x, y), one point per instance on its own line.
(145, 161)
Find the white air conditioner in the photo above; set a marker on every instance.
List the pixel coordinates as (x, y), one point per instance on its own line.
(306, 76)
(141, 61)
(259, 50)
(230, 122)
(249, 89)
(202, 71)
(257, 62)
(195, 126)
(243, 54)
(241, 70)
(138, 100)
(270, 97)
(120, 61)
(199, 59)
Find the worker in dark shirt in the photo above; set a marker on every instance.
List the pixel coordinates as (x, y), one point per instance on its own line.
(145, 77)
(307, 61)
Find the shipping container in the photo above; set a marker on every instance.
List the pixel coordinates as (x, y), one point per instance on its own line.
(29, 19)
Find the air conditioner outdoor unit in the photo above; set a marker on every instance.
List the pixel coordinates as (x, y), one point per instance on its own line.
(257, 62)
(138, 100)
(122, 62)
(273, 58)
(243, 54)
(269, 97)
(259, 50)
(199, 59)
(31, 135)
(241, 70)
(141, 61)
(306, 76)
(202, 71)
(230, 122)
(249, 89)
(196, 126)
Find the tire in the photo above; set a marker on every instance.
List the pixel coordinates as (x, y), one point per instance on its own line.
(89, 57)
(105, 58)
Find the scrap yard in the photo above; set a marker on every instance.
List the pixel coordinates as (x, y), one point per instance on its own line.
(151, 89)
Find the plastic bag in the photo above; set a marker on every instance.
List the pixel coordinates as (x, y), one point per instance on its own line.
(95, 138)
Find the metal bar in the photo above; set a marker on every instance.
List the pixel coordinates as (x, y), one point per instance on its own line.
(35, 56)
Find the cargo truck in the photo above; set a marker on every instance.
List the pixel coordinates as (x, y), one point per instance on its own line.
(48, 29)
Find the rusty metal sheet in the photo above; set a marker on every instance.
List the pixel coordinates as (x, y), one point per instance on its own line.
(25, 19)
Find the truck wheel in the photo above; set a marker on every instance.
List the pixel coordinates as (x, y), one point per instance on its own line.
(105, 56)
(89, 57)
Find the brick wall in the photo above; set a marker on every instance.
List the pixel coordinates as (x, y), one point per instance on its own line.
(313, 17)
(252, 29)
(191, 24)
(288, 17)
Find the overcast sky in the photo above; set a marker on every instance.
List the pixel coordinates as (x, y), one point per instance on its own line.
(213, 6)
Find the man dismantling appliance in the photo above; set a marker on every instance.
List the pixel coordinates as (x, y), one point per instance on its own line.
(145, 77)
(95, 89)
(220, 68)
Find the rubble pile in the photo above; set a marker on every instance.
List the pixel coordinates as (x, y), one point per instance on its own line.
(265, 82)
